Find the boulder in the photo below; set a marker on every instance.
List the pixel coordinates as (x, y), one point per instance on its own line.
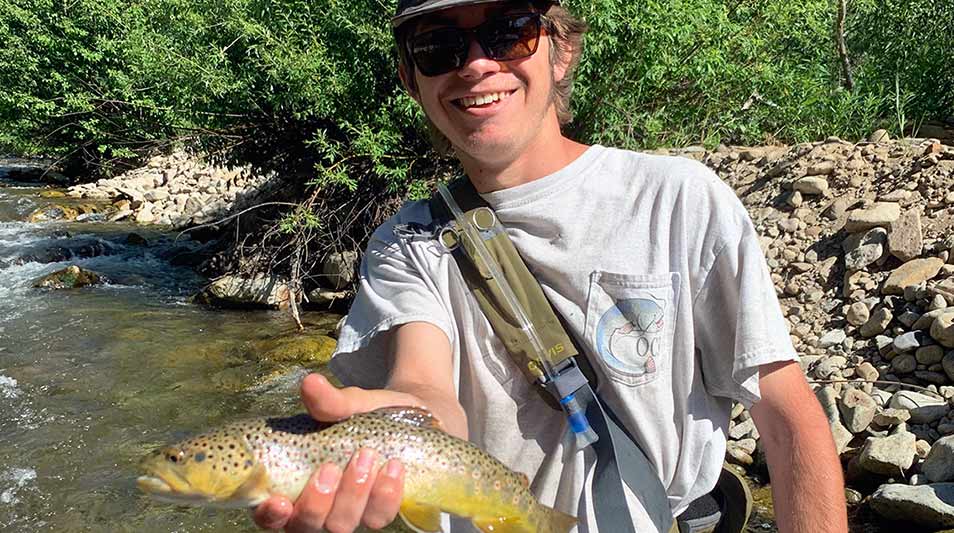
(924, 409)
(877, 322)
(307, 347)
(857, 410)
(939, 463)
(888, 456)
(862, 249)
(811, 185)
(912, 273)
(943, 329)
(339, 269)
(71, 277)
(930, 506)
(905, 240)
(879, 214)
(49, 213)
(235, 291)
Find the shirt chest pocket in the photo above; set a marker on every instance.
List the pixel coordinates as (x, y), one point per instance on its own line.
(630, 322)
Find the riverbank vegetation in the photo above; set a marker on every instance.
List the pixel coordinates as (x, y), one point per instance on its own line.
(310, 87)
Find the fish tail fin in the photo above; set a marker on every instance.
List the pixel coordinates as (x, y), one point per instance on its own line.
(553, 521)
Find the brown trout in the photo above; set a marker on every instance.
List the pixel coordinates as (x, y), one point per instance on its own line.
(243, 463)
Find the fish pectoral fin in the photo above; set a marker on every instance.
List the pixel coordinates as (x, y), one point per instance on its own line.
(502, 524)
(420, 516)
(254, 490)
(414, 416)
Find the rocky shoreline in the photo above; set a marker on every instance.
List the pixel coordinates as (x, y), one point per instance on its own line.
(859, 239)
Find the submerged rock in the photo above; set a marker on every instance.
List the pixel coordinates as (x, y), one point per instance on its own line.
(236, 291)
(305, 347)
(71, 277)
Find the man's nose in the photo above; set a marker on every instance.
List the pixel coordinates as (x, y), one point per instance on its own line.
(477, 65)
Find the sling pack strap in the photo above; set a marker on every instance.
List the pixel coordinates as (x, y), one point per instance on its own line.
(619, 459)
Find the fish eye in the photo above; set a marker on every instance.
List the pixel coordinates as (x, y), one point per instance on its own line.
(175, 455)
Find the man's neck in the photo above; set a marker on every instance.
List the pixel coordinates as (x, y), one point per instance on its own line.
(541, 158)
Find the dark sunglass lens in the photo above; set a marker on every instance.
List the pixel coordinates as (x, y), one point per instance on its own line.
(439, 51)
(512, 37)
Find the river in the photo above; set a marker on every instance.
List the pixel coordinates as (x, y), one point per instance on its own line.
(92, 378)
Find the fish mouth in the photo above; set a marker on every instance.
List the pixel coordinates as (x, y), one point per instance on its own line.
(161, 490)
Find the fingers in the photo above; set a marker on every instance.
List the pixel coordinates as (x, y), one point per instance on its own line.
(273, 513)
(385, 499)
(353, 493)
(315, 502)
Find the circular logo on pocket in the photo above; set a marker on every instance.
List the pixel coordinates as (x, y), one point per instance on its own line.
(629, 335)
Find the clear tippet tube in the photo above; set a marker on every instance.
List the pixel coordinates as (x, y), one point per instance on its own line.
(576, 415)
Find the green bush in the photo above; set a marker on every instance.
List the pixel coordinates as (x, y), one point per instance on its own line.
(101, 82)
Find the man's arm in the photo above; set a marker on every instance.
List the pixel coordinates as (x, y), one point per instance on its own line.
(807, 483)
(421, 376)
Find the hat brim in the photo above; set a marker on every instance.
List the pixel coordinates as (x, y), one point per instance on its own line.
(438, 5)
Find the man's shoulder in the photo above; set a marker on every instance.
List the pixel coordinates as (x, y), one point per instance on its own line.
(663, 172)
(411, 212)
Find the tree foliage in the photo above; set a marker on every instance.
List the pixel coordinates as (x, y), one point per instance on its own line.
(100, 82)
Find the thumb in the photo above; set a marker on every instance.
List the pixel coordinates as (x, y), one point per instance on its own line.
(327, 403)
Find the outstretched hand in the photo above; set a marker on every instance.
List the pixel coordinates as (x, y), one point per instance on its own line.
(333, 500)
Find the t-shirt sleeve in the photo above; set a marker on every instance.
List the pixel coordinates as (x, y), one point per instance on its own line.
(737, 318)
(393, 290)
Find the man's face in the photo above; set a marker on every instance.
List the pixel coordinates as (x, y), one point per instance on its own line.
(520, 90)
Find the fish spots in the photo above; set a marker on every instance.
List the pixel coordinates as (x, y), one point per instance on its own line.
(199, 457)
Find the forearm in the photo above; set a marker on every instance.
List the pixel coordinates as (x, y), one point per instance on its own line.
(807, 484)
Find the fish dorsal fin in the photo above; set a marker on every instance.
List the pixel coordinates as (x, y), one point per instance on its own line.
(414, 416)
(524, 480)
(421, 517)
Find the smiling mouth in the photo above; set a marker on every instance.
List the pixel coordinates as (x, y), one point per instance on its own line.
(482, 100)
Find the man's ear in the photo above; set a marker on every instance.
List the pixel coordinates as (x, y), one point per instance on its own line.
(562, 63)
(408, 82)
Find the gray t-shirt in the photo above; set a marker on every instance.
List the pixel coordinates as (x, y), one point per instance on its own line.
(656, 269)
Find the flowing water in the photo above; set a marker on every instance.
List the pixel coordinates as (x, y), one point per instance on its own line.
(92, 378)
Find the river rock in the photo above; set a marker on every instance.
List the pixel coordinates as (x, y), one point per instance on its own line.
(879, 214)
(237, 291)
(891, 417)
(308, 347)
(929, 355)
(49, 213)
(929, 506)
(927, 319)
(71, 277)
(912, 273)
(888, 456)
(904, 363)
(924, 409)
(879, 136)
(905, 240)
(945, 288)
(833, 338)
(939, 463)
(339, 269)
(811, 185)
(877, 322)
(943, 329)
(862, 249)
(857, 410)
(858, 314)
(911, 340)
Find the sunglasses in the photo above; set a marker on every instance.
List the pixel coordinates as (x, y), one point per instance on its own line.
(504, 38)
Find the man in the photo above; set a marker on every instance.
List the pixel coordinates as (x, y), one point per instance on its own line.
(651, 261)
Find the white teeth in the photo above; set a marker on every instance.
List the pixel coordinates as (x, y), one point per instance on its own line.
(470, 101)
